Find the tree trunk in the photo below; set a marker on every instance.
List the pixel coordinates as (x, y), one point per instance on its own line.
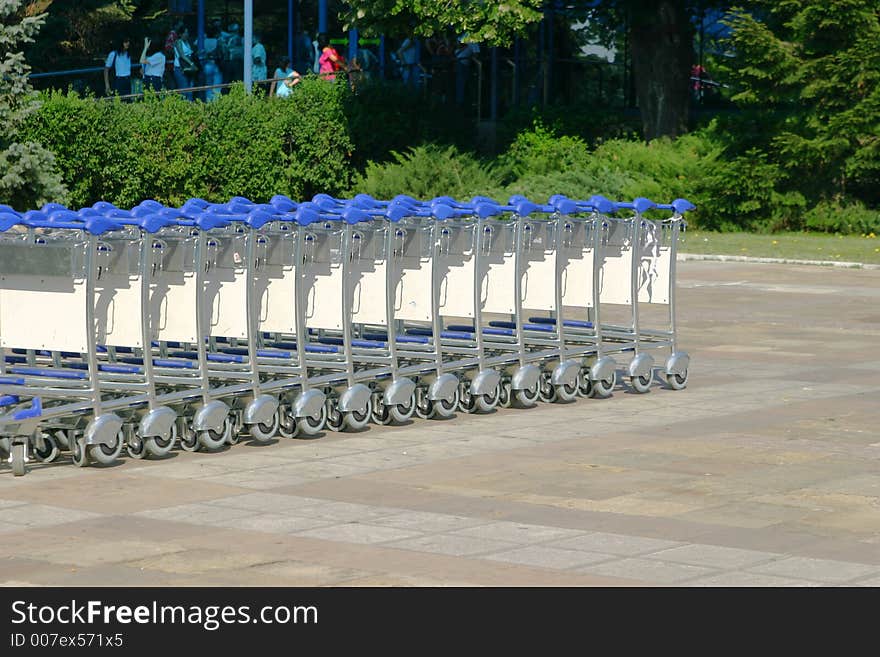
(662, 52)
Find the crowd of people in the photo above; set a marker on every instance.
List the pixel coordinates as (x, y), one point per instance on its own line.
(176, 62)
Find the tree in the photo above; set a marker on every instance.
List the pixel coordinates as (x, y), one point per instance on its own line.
(27, 176)
(806, 75)
(661, 34)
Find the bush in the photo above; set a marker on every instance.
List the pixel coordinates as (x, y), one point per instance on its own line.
(833, 217)
(428, 171)
(169, 149)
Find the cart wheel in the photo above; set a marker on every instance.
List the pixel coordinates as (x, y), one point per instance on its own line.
(18, 457)
(136, 447)
(604, 388)
(445, 407)
(189, 440)
(214, 440)
(50, 449)
(79, 453)
(566, 392)
(585, 385)
(381, 414)
(158, 446)
(107, 454)
(287, 425)
(400, 413)
(355, 420)
(265, 432)
(487, 403)
(527, 398)
(546, 389)
(641, 383)
(424, 406)
(677, 381)
(309, 426)
(506, 398)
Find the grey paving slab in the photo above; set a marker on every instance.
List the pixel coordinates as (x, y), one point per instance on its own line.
(549, 557)
(821, 570)
(262, 502)
(518, 532)
(424, 521)
(714, 556)
(356, 532)
(43, 515)
(345, 511)
(619, 544)
(648, 570)
(453, 545)
(743, 579)
(273, 523)
(196, 514)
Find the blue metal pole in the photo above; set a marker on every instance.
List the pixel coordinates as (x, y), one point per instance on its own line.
(248, 45)
(382, 56)
(322, 16)
(352, 43)
(200, 25)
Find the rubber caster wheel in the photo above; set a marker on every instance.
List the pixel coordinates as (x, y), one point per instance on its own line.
(263, 433)
(566, 392)
(603, 388)
(585, 385)
(107, 454)
(18, 456)
(527, 398)
(287, 425)
(49, 451)
(309, 425)
(214, 440)
(158, 446)
(79, 454)
(480, 403)
(677, 381)
(546, 389)
(401, 413)
(381, 414)
(136, 447)
(355, 420)
(189, 440)
(640, 384)
(506, 399)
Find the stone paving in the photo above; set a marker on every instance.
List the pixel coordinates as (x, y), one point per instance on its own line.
(765, 471)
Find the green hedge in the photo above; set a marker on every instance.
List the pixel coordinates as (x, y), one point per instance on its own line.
(169, 149)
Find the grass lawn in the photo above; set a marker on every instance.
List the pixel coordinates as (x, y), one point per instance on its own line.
(801, 246)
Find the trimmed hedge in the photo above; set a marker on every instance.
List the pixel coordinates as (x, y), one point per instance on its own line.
(169, 149)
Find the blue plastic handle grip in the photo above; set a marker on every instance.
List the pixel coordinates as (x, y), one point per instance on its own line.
(36, 410)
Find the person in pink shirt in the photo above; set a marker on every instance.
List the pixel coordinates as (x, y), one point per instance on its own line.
(330, 60)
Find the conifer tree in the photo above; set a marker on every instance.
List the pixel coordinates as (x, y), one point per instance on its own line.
(27, 170)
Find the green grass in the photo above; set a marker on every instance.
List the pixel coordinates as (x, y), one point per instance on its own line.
(801, 246)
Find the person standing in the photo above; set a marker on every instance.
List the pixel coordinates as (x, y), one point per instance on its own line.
(330, 61)
(408, 56)
(118, 61)
(259, 70)
(153, 61)
(184, 65)
(280, 78)
(212, 57)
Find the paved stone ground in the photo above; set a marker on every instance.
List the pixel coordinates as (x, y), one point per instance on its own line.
(764, 472)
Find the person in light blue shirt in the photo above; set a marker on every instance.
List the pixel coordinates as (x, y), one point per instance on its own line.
(119, 62)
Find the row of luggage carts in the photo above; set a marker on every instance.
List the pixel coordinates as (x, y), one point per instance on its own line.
(142, 330)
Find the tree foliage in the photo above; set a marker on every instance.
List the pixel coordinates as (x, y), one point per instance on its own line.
(26, 168)
(806, 74)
